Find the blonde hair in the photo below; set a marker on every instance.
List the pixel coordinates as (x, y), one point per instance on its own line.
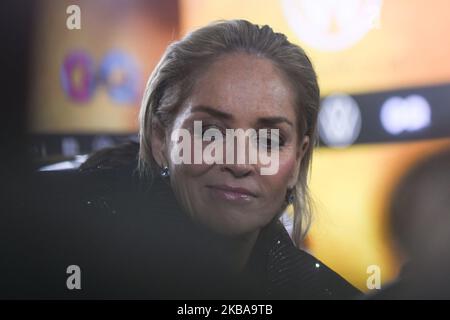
(172, 81)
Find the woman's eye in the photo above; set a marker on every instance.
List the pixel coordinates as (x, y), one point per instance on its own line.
(270, 140)
(268, 143)
(211, 132)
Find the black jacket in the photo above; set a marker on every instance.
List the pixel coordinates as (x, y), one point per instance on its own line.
(131, 240)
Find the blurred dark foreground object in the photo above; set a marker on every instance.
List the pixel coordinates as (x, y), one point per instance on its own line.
(132, 241)
(420, 223)
(128, 242)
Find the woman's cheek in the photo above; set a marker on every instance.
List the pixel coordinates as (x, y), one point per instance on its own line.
(190, 153)
(285, 169)
(191, 170)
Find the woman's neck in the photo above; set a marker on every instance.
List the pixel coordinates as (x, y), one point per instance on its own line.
(235, 251)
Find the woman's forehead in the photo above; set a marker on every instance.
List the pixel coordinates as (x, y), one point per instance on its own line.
(246, 71)
(244, 85)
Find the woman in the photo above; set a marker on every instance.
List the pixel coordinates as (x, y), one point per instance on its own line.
(237, 75)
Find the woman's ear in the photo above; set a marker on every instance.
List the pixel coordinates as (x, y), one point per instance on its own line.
(304, 146)
(158, 143)
(301, 150)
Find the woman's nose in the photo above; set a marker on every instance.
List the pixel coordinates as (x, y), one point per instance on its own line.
(238, 170)
(239, 160)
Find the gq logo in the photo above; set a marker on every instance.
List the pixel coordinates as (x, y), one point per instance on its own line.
(409, 114)
(118, 71)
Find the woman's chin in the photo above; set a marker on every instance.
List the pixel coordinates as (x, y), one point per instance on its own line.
(229, 228)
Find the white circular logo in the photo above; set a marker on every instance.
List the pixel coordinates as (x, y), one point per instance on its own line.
(332, 25)
(405, 114)
(339, 120)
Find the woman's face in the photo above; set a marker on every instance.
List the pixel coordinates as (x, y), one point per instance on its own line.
(238, 91)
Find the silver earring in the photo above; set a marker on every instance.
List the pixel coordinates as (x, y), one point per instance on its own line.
(290, 196)
(165, 172)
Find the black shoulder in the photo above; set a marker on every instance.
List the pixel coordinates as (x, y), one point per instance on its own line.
(104, 182)
(327, 284)
(113, 157)
(296, 274)
(108, 183)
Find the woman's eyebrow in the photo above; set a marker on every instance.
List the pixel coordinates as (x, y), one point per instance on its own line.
(265, 121)
(212, 111)
(270, 121)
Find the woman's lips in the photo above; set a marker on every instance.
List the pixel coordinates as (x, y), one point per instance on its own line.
(232, 193)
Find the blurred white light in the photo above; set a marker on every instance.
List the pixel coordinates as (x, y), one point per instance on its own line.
(101, 142)
(70, 147)
(339, 120)
(65, 165)
(410, 114)
(287, 222)
(332, 25)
